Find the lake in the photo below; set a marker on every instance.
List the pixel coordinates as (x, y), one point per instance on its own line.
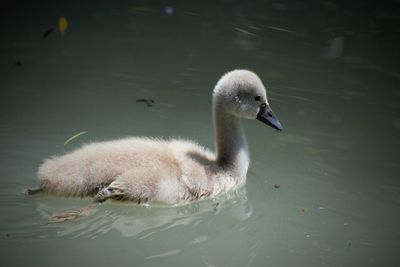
(323, 192)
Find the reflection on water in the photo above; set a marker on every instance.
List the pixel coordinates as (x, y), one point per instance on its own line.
(143, 222)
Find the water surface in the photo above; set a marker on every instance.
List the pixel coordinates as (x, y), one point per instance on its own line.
(324, 192)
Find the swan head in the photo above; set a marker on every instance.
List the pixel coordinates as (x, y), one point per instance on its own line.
(241, 93)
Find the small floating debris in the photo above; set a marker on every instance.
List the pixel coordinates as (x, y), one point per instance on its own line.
(62, 25)
(276, 186)
(48, 32)
(303, 210)
(73, 137)
(18, 63)
(148, 102)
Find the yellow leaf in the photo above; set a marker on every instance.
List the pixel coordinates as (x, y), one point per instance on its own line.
(73, 137)
(62, 25)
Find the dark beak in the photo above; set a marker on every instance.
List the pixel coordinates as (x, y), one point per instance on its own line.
(267, 116)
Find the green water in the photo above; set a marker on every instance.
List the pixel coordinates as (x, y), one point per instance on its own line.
(324, 192)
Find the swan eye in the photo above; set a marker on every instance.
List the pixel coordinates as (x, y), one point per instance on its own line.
(257, 98)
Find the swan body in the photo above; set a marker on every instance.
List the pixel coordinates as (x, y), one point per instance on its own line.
(170, 171)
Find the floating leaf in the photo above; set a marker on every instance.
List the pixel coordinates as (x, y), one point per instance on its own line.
(73, 137)
(62, 25)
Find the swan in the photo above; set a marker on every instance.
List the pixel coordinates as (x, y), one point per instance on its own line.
(174, 171)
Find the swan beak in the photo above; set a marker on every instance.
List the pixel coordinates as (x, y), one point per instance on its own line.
(267, 116)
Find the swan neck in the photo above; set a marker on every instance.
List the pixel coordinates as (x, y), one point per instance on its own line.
(231, 146)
